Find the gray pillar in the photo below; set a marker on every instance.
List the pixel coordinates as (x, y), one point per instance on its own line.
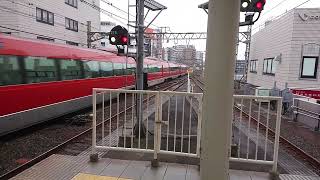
(223, 21)
(140, 45)
(139, 129)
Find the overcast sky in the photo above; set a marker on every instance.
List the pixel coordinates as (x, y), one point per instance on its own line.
(185, 16)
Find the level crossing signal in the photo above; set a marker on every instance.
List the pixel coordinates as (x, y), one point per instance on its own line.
(119, 36)
(252, 5)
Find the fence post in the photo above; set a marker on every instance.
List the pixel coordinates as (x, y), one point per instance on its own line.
(155, 162)
(199, 125)
(94, 154)
(159, 123)
(277, 136)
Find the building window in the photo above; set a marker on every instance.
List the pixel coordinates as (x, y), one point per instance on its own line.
(309, 67)
(253, 66)
(45, 39)
(269, 66)
(73, 3)
(71, 24)
(72, 43)
(103, 44)
(45, 16)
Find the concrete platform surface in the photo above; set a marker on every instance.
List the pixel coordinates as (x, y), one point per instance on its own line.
(64, 167)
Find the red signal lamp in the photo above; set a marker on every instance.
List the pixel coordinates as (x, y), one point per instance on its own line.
(124, 39)
(259, 5)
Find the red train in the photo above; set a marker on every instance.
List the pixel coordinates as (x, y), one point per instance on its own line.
(40, 80)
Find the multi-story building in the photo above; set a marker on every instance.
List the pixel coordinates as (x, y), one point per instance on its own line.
(240, 69)
(186, 54)
(60, 21)
(153, 44)
(106, 26)
(156, 46)
(287, 51)
(169, 54)
(199, 58)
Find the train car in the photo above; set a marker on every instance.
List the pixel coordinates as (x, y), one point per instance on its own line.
(40, 81)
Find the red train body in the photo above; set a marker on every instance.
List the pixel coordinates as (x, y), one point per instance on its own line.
(35, 75)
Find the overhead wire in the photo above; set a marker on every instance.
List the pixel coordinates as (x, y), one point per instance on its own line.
(106, 12)
(264, 13)
(123, 11)
(110, 4)
(283, 13)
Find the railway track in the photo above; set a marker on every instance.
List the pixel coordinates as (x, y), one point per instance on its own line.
(80, 139)
(198, 83)
(289, 146)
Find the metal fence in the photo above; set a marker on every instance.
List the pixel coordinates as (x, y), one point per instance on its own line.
(307, 112)
(170, 121)
(171, 124)
(256, 130)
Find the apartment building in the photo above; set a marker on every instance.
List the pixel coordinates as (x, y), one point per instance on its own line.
(286, 51)
(59, 21)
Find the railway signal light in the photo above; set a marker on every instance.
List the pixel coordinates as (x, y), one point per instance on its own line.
(252, 5)
(119, 36)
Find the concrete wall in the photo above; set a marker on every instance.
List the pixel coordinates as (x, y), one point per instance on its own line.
(286, 35)
(22, 15)
(304, 32)
(273, 40)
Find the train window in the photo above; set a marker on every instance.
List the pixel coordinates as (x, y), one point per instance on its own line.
(70, 69)
(106, 69)
(9, 71)
(174, 68)
(40, 69)
(91, 69)
(118, 69)
(154, 68)
(131, 69)
(146, 68)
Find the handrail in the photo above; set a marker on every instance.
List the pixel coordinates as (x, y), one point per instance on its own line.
(311, 112)
(175, 119)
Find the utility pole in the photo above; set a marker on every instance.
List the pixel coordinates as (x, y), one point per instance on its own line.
(140, 42)
(139, 129)
(88, 34)
(247, 53)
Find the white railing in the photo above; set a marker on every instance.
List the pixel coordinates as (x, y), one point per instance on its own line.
(256, 129)
(171, 120)
(307, 111)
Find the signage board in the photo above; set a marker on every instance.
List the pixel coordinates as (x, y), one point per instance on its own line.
(309, 17)
(306, 92)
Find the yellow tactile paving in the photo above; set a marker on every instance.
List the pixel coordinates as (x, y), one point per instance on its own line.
(82, 176)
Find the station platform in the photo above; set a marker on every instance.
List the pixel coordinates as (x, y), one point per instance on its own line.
(64, 167)
(79, 168)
